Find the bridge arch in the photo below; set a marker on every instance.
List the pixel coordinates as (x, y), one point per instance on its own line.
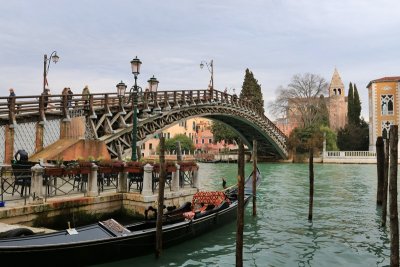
(239, 116)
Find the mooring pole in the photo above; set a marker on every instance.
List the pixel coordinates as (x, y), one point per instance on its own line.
(240, 209)
(380, 158)
(311, 174)
(385, 182)
(254, 177)
(161, 185)
(394, 218)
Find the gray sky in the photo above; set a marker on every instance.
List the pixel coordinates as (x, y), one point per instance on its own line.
(96, 40)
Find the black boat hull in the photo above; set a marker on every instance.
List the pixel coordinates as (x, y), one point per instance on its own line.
(115, 248)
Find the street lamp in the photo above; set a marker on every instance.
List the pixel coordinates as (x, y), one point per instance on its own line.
(210, 67)
(153, 84)
(121, 88)
(135, 64)
(55, 58)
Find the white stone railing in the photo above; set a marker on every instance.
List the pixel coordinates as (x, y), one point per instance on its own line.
(349, 157)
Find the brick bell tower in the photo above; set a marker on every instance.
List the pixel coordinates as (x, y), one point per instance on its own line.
(337, 103)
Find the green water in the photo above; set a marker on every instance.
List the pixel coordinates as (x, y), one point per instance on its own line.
(345, 230)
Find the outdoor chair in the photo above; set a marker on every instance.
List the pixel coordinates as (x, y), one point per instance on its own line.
(135, 178)
(156, 178)
(22, 177)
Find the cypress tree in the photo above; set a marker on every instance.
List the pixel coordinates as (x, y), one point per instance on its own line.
(356, 106)
(251, 91)
(350, 106)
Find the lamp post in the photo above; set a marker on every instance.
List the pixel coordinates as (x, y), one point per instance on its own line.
(135, 64)
(55, 58)
(210, 67)
(134, 93)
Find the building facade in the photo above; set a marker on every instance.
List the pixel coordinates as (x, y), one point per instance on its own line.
(384, 108)
(197, 129)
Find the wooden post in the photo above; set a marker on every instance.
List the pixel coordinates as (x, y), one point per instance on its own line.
(9, 143)
(240, 209)
(254, 177)
(161, 185)
(380, 157)
(311, 174)
(385, 182)
(394, 218)
(39, 137)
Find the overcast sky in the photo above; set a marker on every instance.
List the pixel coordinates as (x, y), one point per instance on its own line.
(275, 39)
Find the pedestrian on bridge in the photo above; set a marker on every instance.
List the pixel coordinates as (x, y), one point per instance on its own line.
(67, 94)
(12, 94)
(45, 95)
(70, 95)
(85, 94)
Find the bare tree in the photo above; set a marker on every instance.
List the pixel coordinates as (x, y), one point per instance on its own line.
(301, 100)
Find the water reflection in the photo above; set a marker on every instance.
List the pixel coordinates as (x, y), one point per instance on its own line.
(345, 230)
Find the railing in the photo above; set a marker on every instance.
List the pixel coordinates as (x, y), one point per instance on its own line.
(90, 179)
(19, 106)
(349, 157)
(343, 154)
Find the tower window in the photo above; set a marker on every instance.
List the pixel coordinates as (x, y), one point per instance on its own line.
(387, 104)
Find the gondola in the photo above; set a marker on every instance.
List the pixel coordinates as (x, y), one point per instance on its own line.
(108, 240)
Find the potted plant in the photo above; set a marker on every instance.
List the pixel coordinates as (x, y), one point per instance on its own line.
(105, 166)
(188, 166)
(54, 171)
(171, 166)
(85, 167)
(133, 167)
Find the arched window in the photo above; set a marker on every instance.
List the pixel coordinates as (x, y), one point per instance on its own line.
(339, 91)
(387, 104)
(386, 128)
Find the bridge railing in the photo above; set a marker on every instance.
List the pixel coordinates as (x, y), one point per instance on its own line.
(39, 107)
(52, 104)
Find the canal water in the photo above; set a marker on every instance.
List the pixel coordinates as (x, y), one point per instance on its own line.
(345, 230)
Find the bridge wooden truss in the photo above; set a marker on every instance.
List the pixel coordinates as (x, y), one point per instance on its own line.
(109, 116)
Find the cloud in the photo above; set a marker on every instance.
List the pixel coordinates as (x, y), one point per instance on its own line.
(275, 39)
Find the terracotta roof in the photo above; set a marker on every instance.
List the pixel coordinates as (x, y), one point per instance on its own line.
(385, 79)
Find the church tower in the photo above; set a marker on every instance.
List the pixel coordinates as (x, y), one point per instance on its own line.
(337, 103)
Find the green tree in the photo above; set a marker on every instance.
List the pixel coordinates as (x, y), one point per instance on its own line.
(353, 106)
(221, 132)
(357, 107)
(186, 144)
(324, 111)
(354, 137)
(251, 91)
(350, 101)
(330, 138)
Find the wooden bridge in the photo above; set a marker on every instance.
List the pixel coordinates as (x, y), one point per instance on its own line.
(35, 122)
